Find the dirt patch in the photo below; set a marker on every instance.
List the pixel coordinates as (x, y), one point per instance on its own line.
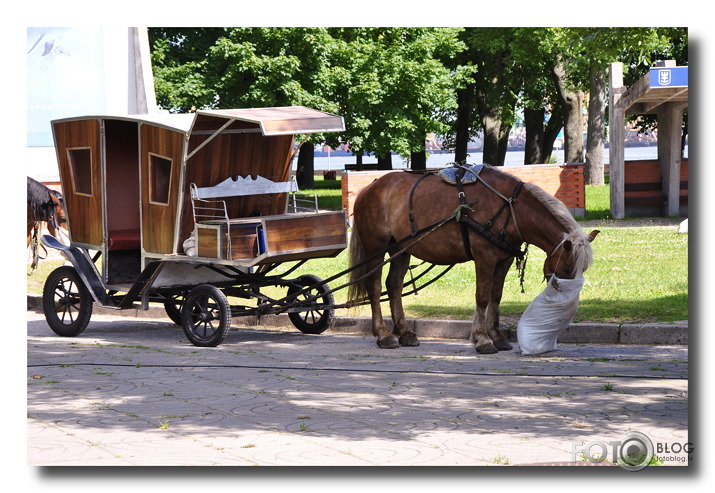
(644, 222)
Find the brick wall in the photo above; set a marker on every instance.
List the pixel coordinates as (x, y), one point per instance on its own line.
(643, 192)
(648, 171)
(565, 182)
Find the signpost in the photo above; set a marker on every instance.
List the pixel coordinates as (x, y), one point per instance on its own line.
(669, 77)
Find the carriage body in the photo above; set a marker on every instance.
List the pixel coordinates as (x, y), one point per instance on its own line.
(160, 204)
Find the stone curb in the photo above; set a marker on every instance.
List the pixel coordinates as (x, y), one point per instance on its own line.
(577, 333)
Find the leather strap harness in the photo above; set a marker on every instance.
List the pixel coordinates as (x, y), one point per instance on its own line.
(460, 214)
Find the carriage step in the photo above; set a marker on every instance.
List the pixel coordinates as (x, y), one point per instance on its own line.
(84, 268)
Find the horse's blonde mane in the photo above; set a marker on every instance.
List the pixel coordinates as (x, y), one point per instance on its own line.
(582, 251)
(554, 206)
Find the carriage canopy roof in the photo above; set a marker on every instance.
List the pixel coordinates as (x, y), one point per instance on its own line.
(268, 121)
(281, 121)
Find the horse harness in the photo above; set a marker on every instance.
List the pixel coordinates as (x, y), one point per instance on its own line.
(460, 215)
(35, 242)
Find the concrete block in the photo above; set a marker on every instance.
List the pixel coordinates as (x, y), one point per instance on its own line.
(654, 334)
(443, 328)
(590, 333)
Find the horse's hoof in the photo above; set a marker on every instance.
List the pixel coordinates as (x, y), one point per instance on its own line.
(487, 349)
(409, 339)
(503, 345)
(387, 343)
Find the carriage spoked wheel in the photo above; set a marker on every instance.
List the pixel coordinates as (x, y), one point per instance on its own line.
(66, 302)
(320, 315)
(173, 307)
(206, 316)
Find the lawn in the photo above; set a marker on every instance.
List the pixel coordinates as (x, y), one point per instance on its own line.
(640, 274)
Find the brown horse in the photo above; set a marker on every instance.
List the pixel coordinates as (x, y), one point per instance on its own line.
(522, 212)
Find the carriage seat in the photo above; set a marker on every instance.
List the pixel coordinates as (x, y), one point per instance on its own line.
(449, 175)
(124, 239)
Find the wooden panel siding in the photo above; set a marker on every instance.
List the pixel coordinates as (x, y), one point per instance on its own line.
(159, 220)
(301, 233)
(85, 215)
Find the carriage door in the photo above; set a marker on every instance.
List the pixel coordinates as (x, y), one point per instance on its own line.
(79, 157)
(161, 158)
(121, 168)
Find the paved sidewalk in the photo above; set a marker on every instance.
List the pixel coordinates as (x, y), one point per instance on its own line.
(134, 391)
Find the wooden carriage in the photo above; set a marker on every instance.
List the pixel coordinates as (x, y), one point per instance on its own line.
(158, 205)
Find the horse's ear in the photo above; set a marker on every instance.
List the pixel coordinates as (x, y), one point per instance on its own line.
(592, 235)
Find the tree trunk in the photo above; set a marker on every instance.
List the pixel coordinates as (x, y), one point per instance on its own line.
(385, 162)
(551, 131)
(306, 166)
(534, 124)
(504, 131)
(464, 105)
(418, 158)
(572, 102)
(492, 139)
(594, 169)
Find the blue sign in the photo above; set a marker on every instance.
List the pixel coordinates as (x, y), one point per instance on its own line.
(669, 77)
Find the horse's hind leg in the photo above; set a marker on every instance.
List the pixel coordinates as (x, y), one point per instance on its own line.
(385, 339)
(395, 282)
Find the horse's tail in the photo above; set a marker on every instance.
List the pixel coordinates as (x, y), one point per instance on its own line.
(357, 291)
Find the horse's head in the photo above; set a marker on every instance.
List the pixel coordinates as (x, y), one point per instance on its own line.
(571, 257)
(59, 208)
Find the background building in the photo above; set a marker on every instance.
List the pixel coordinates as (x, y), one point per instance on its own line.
(82, 71)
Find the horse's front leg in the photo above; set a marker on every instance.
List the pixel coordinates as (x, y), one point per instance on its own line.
(492, 314)
(482, 342)
(395, 283)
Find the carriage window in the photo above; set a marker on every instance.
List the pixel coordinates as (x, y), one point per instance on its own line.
(81, 169)
(159, 179)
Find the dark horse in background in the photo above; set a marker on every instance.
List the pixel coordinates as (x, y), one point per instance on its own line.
(520, 213)
(43, 206)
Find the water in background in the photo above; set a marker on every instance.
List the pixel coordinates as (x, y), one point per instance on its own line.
(513, 158)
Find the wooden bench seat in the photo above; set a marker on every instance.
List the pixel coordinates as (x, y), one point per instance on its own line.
(262, 239)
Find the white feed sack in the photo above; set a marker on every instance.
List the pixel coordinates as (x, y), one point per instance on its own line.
(548, 315)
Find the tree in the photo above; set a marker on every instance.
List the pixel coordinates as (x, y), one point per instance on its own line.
(486, 96)
(244, 68)
(587, 53)
(385, 82)
(390, 84)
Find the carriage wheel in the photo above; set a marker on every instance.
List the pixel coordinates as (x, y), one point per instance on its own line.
(66, 302)
(317, 319)
(173, 307)
(206, 316)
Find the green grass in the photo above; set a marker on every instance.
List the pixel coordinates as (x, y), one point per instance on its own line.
(640, 274)
(598, 202)
(329, 193)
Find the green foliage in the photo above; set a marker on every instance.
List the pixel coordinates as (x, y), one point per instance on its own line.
(386, 82)
(395, 85)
